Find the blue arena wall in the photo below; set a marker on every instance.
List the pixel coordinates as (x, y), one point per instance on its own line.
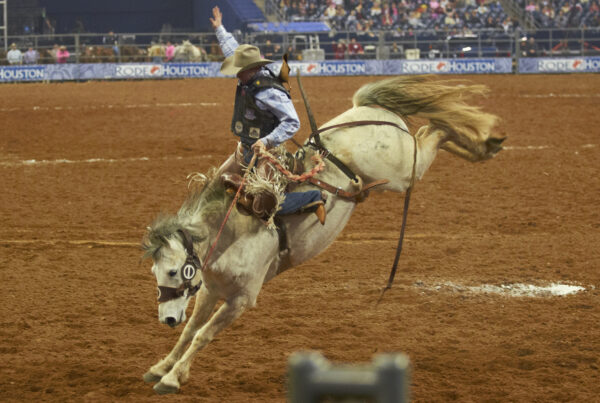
(71, 72)
(82, 72)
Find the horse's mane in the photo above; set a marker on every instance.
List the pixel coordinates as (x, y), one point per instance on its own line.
(206, 198)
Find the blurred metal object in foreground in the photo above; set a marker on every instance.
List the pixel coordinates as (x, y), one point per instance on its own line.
(312, 378)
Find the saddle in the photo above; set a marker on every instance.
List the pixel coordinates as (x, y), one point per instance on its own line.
(264, 204)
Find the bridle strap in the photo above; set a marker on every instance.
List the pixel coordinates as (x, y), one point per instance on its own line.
(168, 293)
(188, 243)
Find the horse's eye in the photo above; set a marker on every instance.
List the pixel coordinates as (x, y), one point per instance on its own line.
(172, 273)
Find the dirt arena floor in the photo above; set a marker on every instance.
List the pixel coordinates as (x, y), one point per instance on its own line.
(85, 167)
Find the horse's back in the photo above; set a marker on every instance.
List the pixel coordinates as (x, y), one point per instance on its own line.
(366, 113)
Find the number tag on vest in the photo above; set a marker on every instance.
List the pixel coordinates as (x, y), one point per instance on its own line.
(239, 127)
(254, 132)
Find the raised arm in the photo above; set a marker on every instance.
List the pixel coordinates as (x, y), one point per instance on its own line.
(227, 42)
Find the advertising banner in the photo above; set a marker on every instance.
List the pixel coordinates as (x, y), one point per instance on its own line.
(332, 68)
(450, 66)
(559, 65)
(21, 73)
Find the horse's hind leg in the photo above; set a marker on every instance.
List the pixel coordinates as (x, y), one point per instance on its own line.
(203, 307)
(227, 313)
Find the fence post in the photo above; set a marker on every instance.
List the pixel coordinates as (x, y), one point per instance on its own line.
(77, 48)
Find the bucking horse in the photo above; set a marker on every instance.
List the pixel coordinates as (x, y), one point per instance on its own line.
(372, 142)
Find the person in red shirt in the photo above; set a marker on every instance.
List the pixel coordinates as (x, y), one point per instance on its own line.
(340, 51)
(355, 49)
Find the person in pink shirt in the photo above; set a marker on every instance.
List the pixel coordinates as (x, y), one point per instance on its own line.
(169, 52)
(62, 55)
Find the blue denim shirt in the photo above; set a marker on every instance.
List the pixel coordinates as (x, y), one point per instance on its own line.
(270, 99)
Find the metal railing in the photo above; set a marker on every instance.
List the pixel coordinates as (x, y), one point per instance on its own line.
(423, 44)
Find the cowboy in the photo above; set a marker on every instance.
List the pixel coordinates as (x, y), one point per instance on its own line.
(264, 117)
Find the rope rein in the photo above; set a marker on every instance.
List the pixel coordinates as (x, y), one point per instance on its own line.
(233, 202)
(317, 159)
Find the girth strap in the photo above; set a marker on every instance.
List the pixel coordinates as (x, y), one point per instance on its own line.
(356, 197)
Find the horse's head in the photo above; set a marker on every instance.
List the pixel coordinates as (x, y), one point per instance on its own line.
(177, 271)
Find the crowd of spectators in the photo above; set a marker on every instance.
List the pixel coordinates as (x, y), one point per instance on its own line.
(364, 16)
(57, 54)
(563, 13)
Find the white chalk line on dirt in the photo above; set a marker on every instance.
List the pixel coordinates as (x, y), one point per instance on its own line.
(553, 95)
(90, 242)
(111, 107)
(97, 160)
(34, 162)
(509, 290)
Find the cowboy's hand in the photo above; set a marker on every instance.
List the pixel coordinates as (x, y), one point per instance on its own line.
(218, 18)
(258, 147)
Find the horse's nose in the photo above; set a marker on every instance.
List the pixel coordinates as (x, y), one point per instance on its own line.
(171, 321)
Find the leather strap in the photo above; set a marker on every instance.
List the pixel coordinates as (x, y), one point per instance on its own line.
(316, 143)
(357, 197)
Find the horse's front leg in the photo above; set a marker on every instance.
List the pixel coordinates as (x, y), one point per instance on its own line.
(227, 313)
(203, 307)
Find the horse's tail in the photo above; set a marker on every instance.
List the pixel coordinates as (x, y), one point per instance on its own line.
(443, 103)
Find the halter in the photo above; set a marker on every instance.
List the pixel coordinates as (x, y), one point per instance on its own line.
(187, 271)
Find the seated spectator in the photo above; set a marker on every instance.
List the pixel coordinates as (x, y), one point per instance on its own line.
(330, 11)
(14, 55)
(352, 21)
(340, 50)
(292, 55)
(31, 56)
(277, 52)
(355, 49)
(268, 50)
(387, 17)
(395, 51)
(529, 48)
(62, 56)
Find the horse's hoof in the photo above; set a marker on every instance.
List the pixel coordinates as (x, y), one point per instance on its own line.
(165, 389)
(149, 377)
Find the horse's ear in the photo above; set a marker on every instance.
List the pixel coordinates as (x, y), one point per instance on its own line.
(284, 73)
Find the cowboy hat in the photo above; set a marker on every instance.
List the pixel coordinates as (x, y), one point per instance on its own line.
(244, 58)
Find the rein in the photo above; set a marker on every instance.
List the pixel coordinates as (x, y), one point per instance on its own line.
(192, 262)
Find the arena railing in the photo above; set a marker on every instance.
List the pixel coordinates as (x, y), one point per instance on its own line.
(422, 44)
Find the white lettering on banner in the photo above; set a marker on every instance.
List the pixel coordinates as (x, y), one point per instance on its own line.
(21, 74)
(568, 65)
(186, 71)
(442, 66)
(138, 70)
(329, 68)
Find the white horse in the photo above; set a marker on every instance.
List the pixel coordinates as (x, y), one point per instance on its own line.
(248, 254)
(186, 52)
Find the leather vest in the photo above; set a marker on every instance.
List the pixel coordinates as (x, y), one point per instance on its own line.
(250, 122)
